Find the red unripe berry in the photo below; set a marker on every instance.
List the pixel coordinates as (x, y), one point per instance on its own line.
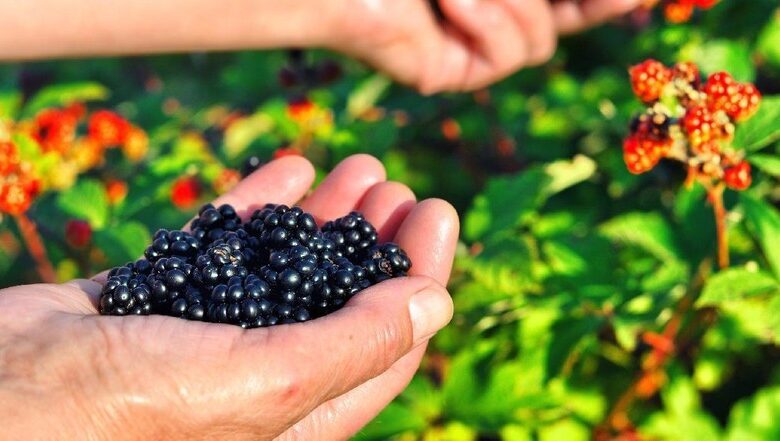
(116, 191)
(639, 159)
(55, 130)
(745, 104)
(720, 88)
(678, 12)
(705, 4)
(702, 128)
(78, 233)
(648, 79)
(185, 192)
(18, 192)
(9, 158)
(108, 128)
(450, 129)
(738, 177)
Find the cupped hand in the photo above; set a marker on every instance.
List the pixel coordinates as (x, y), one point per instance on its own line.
(66, 372)
(473, 44)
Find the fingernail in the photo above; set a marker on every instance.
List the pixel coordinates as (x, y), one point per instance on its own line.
(430, 310)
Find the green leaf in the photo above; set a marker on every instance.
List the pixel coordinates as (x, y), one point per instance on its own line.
(86, 200)
(723, 55)
(509, 201)
(736, 284)
(769, 164)
(61, 95)
(241, 133)
(767, 45)
(367, 94)
(647, 231)
(764, 221)
(755, 418)
(395, 419)
(124, 242)
(10, 101)
(567, 334)
(762, 129)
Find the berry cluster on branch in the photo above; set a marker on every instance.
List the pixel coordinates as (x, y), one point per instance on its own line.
(691, 121)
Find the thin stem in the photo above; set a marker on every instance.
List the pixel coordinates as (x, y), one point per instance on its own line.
(716, 198)
(35, 247)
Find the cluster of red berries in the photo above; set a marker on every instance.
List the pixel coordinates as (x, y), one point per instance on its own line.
(56, 130)
(680, 11)
(19, 184)
(690, 120)
(62, 153)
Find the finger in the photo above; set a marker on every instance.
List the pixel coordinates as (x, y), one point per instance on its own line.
(574, 16)
(536, 18)
(336, 353)
(342, 417)
(282, 181)
(429, 235)
(385, 205)
(499, 46)
(437, 222)
(343, 189)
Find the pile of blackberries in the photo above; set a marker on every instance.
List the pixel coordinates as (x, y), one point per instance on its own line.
(277, 267)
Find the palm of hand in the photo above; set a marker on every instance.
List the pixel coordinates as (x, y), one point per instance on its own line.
(162, 377)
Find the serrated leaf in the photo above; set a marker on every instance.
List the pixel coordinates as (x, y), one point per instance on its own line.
(86, 200)
(61, 95)
(769, 164)
(124, 242)
(736, 284)
(764, 221)
(762, 129)
(648, 231)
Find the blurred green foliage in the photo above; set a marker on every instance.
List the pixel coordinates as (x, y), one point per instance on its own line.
(566, 258)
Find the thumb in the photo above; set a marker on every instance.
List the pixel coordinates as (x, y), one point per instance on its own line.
(327, 357)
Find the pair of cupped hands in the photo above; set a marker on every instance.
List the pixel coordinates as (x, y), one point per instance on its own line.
(68, 373)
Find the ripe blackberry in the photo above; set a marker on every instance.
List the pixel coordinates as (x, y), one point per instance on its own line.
(241, 301)
(386, 261)
(213, 222)
(191, 305)
(295, 274)
(223, 260)
(352, 234)
(126, 291)
(170, 280)
(343, 280)
(172, 244)
(279, 226)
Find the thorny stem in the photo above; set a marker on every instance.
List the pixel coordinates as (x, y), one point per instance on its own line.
(35, 247)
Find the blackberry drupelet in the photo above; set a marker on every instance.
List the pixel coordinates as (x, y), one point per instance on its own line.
(213, 222)
(126, 291)
(352, 234)
(277, 268)
(386, 262)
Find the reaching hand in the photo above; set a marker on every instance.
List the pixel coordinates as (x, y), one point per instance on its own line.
(477, 43)
(68, 373)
